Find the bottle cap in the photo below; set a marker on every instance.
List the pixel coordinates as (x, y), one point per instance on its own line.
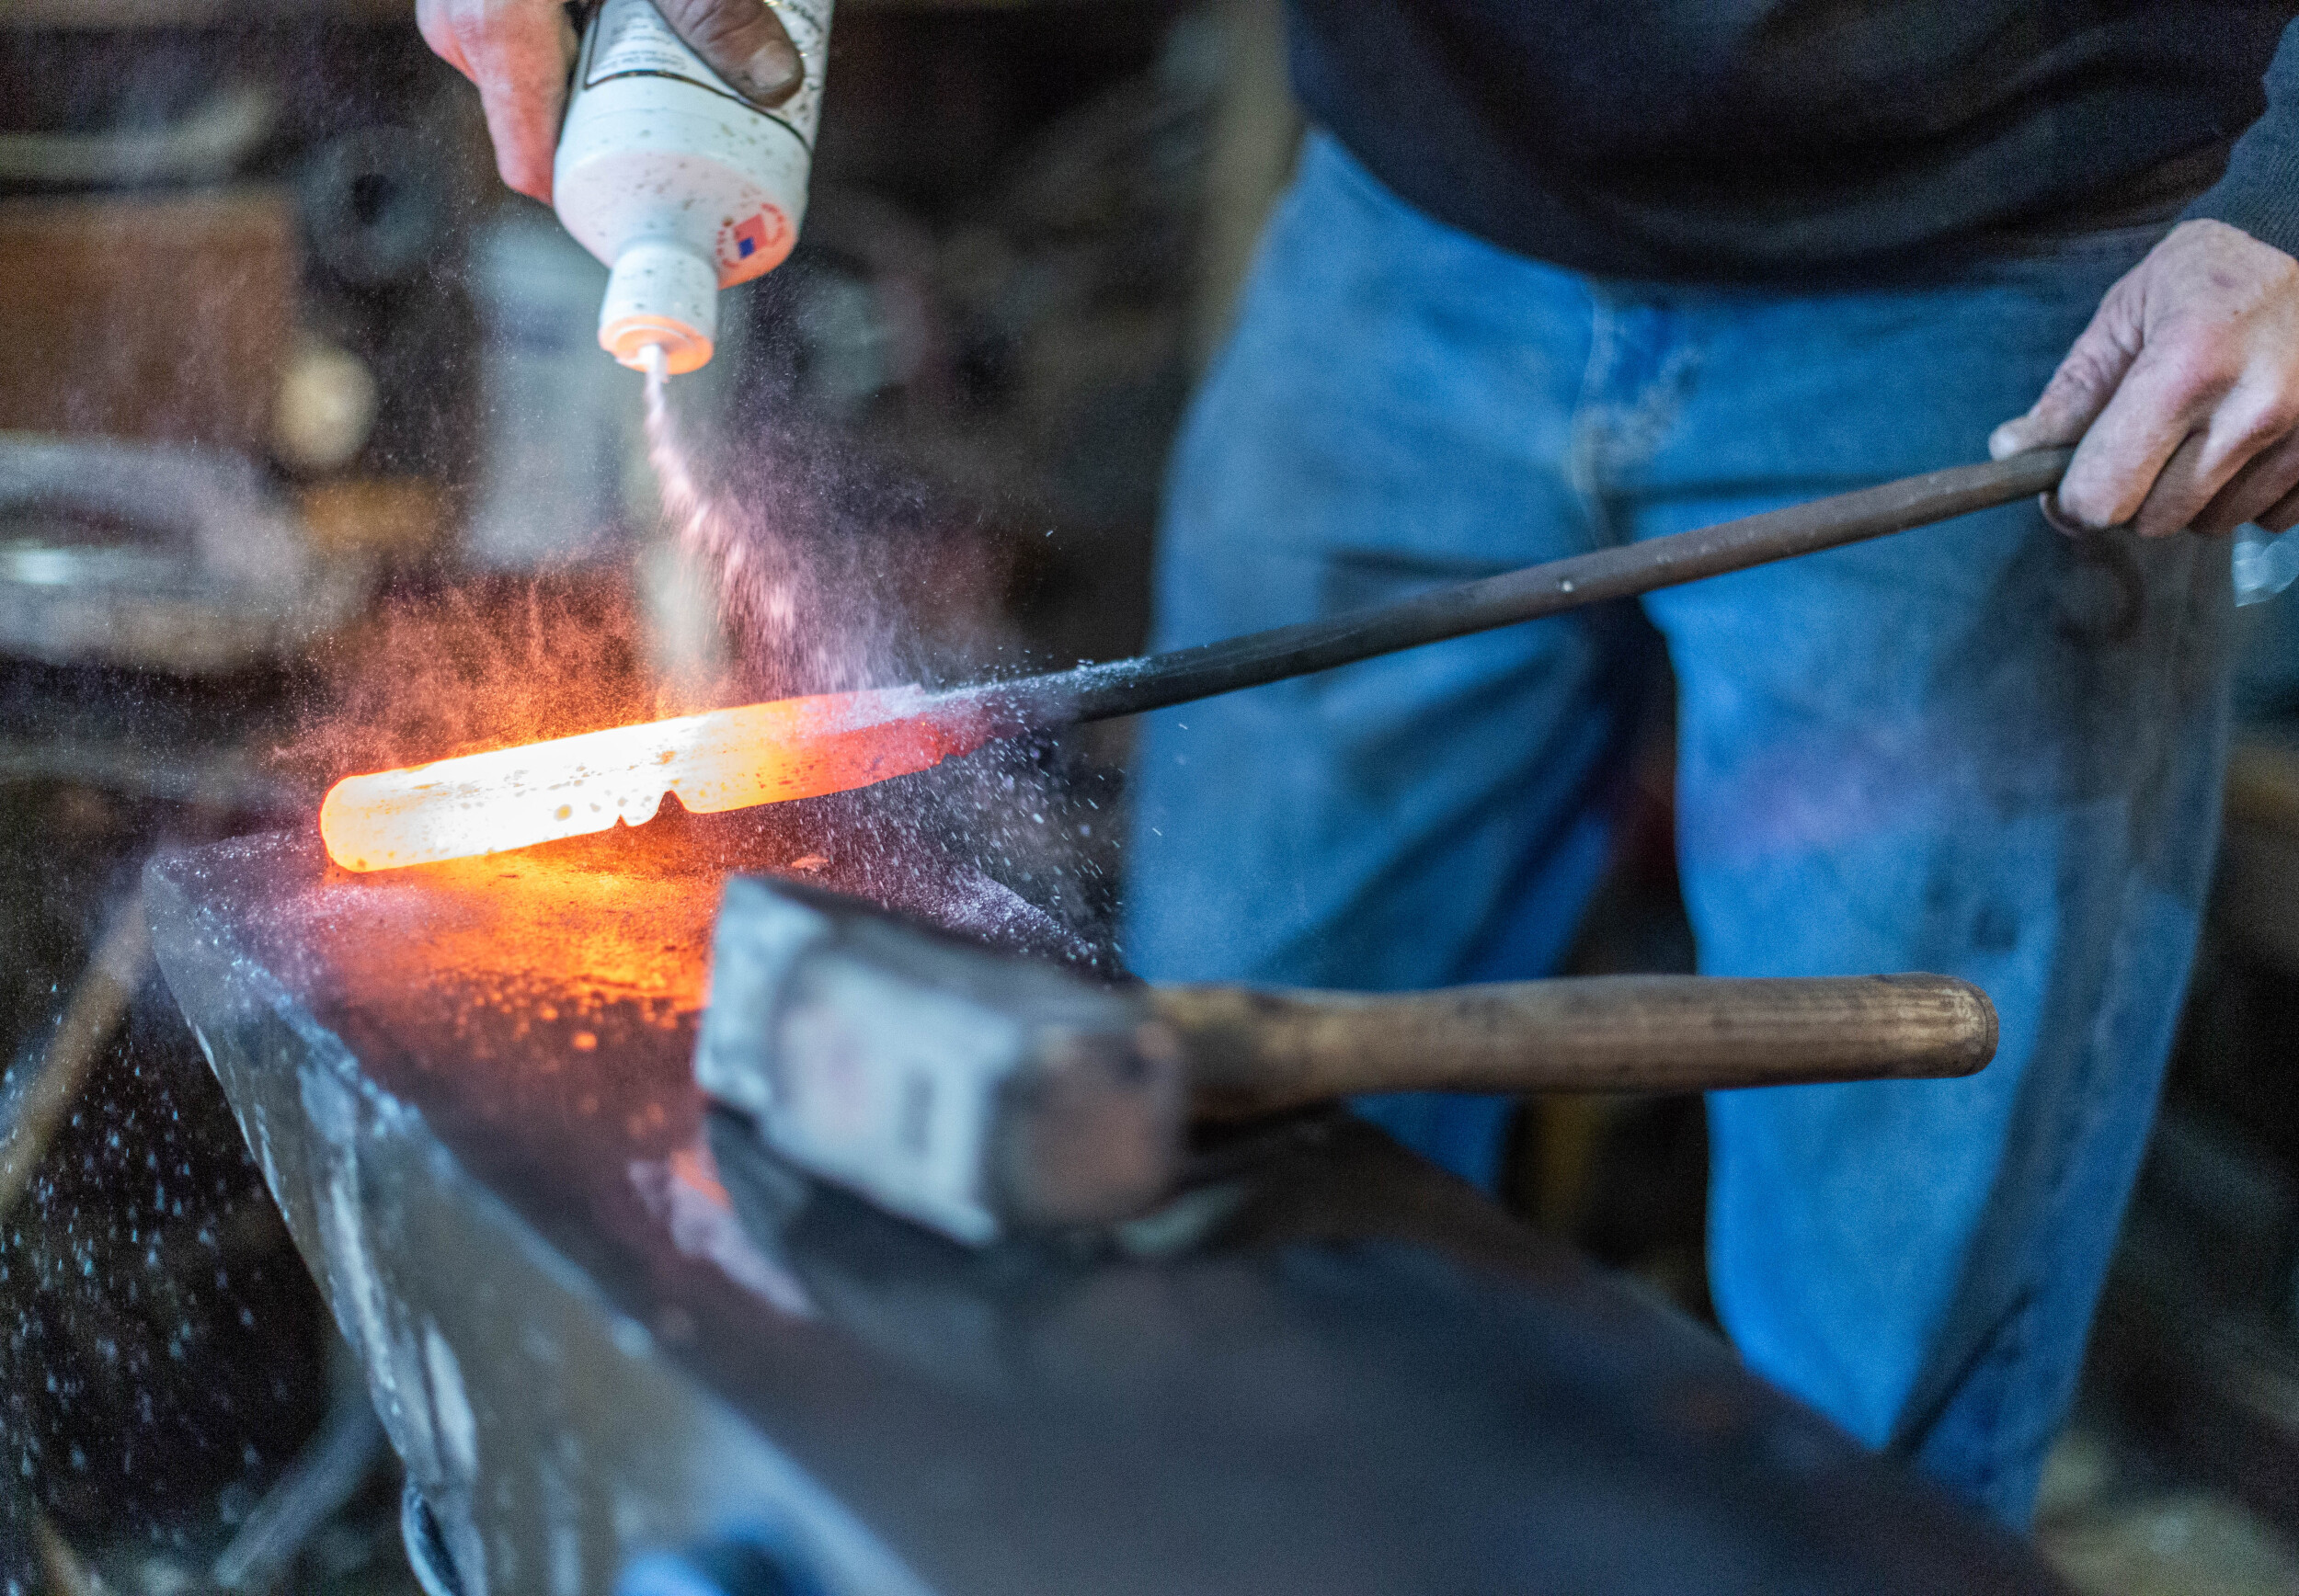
(660, 294)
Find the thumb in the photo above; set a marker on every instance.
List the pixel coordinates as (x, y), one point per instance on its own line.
(438, 27)
(2087, 379)
(745, 43)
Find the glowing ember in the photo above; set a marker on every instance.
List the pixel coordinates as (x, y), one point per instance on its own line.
(723, 760)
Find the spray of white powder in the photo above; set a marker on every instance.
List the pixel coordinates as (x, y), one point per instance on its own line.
(808, 606)
(752, 591)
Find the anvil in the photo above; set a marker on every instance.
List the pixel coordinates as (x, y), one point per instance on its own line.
(1328, 1368)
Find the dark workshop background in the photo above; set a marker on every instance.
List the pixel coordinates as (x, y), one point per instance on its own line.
(278, 357)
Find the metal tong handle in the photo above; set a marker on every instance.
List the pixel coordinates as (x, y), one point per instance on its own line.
(1127, 687)
(1254, 1051)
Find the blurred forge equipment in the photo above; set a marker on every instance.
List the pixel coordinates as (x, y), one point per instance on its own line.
(374, 206)
(852, 317)
(355, 518)
(562, 458)
(208, 143)
(2267, 659)
(163, 316)
(2256, 899)
(2196, 1347)
(2265, 563)
(155, 557)
(327, 407)
(560, 423)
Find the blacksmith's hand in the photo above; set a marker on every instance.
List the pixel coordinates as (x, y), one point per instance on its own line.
(519, 52)
(2184, 391)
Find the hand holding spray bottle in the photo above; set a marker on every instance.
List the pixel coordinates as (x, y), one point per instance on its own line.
(676, 181)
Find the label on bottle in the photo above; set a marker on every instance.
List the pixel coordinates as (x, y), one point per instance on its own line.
(630, 39)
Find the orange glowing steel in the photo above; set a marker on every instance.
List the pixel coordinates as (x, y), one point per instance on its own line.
(723, 760)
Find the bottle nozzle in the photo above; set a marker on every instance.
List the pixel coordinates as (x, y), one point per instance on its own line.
(660, 297)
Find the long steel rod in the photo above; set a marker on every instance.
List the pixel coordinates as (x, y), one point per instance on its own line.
(1126, 687)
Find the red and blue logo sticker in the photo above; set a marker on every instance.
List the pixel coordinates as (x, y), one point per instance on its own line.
(750, 246)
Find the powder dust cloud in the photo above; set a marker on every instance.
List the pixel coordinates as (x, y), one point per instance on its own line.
(833, 573)
(754, 584)
(830, 572)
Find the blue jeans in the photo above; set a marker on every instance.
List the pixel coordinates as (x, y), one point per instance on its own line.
(1980, 748)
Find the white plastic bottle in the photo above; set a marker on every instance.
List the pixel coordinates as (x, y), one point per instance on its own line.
(680, 185)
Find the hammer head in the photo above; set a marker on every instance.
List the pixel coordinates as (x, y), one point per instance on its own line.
(975, 1092)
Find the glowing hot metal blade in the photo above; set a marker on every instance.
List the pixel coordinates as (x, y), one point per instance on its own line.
(723, 760)
(800, 748)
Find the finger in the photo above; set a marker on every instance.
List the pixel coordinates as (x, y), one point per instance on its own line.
(2165, 398)
(2250, 420)
(2048, 501)
(2172, 500)
(2282, 517)
(745, 43)
(519, 63)
(433, 19)
(2263, 482)
(2087, 379)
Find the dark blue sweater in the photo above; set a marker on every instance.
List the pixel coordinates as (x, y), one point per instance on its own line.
(1777, 140)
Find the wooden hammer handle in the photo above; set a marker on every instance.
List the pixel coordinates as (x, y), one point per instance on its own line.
(1255, 1051)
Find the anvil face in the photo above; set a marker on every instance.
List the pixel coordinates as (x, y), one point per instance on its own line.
(470, 1089)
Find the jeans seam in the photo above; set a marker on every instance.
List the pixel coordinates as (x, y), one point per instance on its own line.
(2011, 1347)
(2090, 1105)
(2086, 1100)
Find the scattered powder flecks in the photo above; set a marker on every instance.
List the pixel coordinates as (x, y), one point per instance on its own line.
(833, 569)
(754, 581)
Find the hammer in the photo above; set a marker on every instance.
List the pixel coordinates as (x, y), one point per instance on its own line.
(982, 1094)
